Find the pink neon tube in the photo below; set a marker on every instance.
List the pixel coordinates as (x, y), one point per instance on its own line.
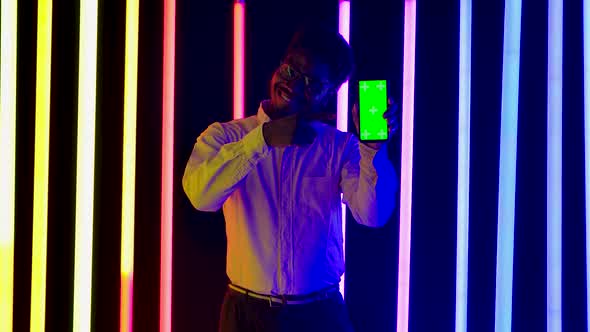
(342, 107)
(344, 29)
(239, 54)
(167, 167)
(403, 289)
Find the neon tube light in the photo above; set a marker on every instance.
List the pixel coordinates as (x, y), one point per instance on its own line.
(167, 167)
(344, 29)
(129, 142)
(507, 174)
(586, 18)
(342, 108)
(8, 12)
(463, 166)
(85, 165)
(554, 159)
(41, 167)
(403, 288)
(239, 55)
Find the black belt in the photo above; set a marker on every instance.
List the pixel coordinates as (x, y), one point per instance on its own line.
(288, 299)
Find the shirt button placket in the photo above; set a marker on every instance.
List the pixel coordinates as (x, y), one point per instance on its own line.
(288, 199)
(284, 238)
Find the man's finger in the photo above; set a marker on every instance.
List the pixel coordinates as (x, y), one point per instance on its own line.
(393, 107)
(390, 114)
(393, 111)
(355, 111)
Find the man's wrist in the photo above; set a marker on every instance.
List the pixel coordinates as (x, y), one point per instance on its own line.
(372, 146)
(265, 132)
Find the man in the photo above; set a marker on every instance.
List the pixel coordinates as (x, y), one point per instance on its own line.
(279, 176)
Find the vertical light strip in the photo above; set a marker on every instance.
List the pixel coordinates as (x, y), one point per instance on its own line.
(403, 288)
(41, 172)
(239, 56)
(554, 160)
(586, 18)
(344, 29)
(129, 142)
(507, 173)
(85, 165)
(463, 166)
(8, 12)
(167, 166)
(342, 108)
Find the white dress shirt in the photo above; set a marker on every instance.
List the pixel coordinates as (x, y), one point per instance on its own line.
(282, 206)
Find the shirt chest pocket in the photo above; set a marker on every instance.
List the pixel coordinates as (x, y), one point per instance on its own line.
(316, 196)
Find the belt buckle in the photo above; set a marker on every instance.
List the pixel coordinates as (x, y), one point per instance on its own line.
(270, 302)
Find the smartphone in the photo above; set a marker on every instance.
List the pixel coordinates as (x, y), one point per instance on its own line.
(372, 105)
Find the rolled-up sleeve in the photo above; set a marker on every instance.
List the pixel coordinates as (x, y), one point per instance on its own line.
(217, 165)
(369, 183)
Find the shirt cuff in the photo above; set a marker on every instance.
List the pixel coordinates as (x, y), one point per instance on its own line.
(367, 153)
(255, 148)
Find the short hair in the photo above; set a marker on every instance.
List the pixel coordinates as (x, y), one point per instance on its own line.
(327, 46)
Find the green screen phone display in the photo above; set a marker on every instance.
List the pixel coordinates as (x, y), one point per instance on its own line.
(372, 105)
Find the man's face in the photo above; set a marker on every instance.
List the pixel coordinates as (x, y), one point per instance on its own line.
(299, 84)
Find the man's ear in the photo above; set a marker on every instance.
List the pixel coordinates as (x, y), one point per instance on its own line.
(331, 93)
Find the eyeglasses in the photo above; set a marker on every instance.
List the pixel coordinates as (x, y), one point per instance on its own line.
(313, 87)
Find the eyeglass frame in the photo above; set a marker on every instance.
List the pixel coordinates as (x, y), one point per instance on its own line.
(297, 74)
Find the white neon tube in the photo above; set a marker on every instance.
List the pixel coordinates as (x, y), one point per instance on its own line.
(507, 174)
(463, 166)
(8, 35)
(85, 165)
(554, 160)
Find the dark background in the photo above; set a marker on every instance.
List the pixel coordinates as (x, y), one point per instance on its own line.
(203, 95)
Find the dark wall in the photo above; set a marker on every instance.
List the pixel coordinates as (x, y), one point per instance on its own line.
(203, 95)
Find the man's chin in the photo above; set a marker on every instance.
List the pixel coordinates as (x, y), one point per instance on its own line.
(282, 113)
(280, 109)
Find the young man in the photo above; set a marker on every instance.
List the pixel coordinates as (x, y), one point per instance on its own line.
(278, 176)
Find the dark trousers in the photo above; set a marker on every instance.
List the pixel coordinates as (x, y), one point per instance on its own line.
(242, 313)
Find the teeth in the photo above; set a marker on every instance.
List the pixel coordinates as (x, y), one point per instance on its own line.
(284, 95)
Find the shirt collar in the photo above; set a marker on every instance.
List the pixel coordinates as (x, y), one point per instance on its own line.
(261, 115)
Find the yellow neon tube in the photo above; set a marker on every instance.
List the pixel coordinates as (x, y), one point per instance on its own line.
(41, 175)
(129, 138)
